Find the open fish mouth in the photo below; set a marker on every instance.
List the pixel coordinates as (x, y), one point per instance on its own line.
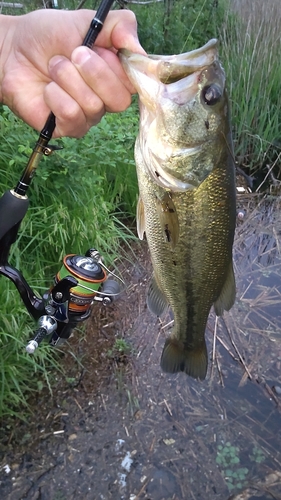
(170, 87)
(152, 70)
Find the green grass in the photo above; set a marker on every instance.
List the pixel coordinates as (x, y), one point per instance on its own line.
(177, 26)
(75, 198)
(250, 51)
(80, 197)
(20, 373)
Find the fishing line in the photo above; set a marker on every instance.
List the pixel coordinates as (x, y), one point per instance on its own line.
(194, 24)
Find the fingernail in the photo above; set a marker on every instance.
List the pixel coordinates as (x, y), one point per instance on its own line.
(133, 44)
(80, 55)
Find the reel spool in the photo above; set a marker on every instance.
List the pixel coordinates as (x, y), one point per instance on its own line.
(89, 274)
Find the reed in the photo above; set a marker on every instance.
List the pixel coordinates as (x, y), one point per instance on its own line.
(250, 49)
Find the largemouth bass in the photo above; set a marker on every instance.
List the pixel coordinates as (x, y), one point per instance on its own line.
(186, 207)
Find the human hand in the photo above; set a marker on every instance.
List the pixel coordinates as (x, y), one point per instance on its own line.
(43, 67)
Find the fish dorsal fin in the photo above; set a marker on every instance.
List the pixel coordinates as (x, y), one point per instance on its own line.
(228, 292)
(168, 219)
(156, 300)
(140, 219)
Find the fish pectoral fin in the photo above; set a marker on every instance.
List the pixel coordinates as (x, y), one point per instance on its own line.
(168, 219)
(177, 358)
(227, 296)
(140, 219)
(156, 300)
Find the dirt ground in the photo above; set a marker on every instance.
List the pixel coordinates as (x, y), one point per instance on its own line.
(118, 428)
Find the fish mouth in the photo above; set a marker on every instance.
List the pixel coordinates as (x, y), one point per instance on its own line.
(147, 72)
(167, 86)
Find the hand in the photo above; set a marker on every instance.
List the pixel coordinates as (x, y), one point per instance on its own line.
(43, 67)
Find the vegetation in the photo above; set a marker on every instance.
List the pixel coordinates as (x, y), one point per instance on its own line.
(177, 25)
(228, 459)
(251, 46)
(99, 172)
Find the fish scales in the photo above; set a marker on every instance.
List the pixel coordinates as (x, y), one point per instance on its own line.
(187, 209)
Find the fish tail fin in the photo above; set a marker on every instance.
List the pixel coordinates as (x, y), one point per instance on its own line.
(175, 358)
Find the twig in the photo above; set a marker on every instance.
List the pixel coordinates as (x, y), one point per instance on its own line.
(220, 372)
(214, 340)
(142, 489)
(79, 406)
(168, 408)
(244, 293)
(237, 352)
(268, 389)
(226, 347)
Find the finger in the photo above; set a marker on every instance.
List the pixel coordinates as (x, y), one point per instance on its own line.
(112, 60)
(105, 76)
(65, 74)
(120, 31)
(71, 120)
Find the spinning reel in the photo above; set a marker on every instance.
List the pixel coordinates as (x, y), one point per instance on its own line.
(82, 280)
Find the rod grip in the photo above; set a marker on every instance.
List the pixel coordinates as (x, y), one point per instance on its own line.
(12, 211)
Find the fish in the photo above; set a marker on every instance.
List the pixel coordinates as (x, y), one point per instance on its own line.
(187, 208)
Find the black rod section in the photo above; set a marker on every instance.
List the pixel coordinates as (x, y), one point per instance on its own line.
(50, 125)
(89, 40)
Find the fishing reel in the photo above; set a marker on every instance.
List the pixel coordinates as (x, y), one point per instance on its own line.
(81, 281)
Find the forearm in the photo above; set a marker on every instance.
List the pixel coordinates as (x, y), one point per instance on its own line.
(7, 29)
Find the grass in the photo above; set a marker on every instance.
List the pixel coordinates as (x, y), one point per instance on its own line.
(177, 26)
(99, 173)
(250, 51)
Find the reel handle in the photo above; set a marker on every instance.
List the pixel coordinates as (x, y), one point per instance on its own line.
(47, 325)
(32, 345)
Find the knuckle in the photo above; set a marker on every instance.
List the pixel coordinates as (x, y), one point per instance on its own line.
(59, 71)
(69, 112)
(124, 103)
(131, 17)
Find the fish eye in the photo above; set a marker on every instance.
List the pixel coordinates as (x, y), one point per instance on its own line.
(211, 94)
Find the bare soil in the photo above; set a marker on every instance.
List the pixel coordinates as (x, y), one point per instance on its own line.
(119, 428)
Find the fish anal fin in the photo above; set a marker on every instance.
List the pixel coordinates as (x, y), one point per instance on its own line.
(156, 300)
(227, 296)
(177, 358)
(168, 219)
(140, 219)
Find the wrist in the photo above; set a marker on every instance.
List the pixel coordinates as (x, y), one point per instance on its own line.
(7, 29)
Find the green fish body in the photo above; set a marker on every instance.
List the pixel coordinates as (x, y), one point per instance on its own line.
(186, 208)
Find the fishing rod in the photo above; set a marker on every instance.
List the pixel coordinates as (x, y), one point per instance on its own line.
(82, 279)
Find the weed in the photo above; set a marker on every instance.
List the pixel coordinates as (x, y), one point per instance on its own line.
(228, 460)
(120, 350)
(99, 173)
(250, 51)
(133, 403)
(122, 346)
(257, 455)
(196, 22)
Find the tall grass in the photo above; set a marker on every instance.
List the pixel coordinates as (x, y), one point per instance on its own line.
(171, 27)
(74, 198)
(251, 47)
(78, 198)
